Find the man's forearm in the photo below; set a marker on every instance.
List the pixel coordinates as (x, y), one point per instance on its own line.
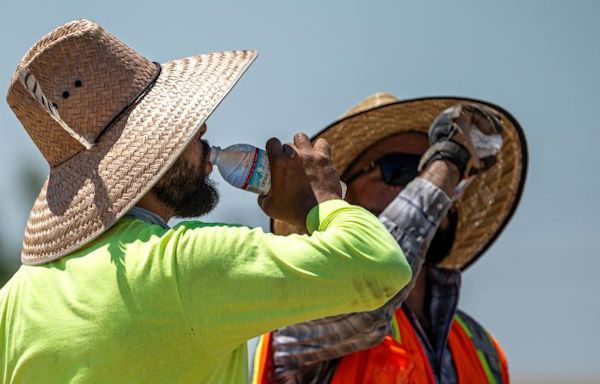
(443, 174)
(412, 218)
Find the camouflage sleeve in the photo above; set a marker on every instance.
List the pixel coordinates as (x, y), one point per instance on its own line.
(304, 352)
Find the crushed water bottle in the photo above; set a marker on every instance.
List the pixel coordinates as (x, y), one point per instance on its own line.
(246, 167)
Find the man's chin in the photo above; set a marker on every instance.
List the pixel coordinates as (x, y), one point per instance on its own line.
(199, 205)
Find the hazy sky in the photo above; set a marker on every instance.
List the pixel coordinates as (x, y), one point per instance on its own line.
(537, 288)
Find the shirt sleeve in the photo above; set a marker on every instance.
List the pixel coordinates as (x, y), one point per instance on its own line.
(236, 283)
(412, 218)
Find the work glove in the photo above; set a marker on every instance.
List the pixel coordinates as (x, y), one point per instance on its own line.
(469, 136)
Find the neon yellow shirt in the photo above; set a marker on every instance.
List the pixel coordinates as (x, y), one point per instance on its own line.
(146, 304)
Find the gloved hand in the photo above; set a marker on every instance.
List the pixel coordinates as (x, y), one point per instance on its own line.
(468, 135)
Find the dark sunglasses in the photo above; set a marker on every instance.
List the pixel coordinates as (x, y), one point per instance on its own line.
(396, 168)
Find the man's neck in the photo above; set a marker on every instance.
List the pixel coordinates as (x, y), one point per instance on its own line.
(416, 300)
(151, 203)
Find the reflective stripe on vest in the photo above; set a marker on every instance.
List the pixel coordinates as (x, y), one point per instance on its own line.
(488, 355)
(401, 358)
(263, 359)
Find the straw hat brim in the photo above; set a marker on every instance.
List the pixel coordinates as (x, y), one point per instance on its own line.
(487, 205)
(88, 193)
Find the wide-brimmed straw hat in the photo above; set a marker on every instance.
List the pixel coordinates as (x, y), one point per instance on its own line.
(110, 123)
(489, 202)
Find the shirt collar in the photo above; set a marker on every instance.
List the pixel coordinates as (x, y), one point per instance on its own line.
(147, 216)
(443, 291)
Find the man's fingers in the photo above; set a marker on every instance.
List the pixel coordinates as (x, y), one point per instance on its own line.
(289, 150)
(261, 201)
(273, 146)
(492, 112)
(486, 119)
(322, 145)
(274, 149)
(496, 119)
(265, 203)
(302, 141)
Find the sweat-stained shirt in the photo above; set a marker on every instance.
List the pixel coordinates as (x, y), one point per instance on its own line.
(148, 304)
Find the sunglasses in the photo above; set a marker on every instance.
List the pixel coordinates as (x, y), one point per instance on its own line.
(397, 169)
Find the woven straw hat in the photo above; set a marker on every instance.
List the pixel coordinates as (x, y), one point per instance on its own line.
(110, 123)
(486, 206)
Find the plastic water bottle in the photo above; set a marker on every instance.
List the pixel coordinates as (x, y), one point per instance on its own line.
(246, 167)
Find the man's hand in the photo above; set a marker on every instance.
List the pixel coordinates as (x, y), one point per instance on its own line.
(302, 176)
(481, 133)
(468, 135)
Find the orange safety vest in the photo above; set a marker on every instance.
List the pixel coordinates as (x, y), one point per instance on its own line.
(400, 358)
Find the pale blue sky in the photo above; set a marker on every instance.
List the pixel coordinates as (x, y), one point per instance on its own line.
(537, 288)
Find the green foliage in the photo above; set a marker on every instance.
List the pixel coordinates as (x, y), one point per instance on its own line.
(26, 187)
(5, 270)
(7, 252)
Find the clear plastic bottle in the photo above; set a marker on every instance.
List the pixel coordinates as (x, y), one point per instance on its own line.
(246, 167)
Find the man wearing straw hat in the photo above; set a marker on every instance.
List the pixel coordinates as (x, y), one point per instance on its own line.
(107, 291)
(476, 157)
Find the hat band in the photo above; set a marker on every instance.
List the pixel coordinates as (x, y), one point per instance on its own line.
(134, 101)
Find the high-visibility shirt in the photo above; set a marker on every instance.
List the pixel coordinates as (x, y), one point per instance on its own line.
(145, 304)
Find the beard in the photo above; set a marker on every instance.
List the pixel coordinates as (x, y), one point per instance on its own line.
(186, 189)
(442, 241)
